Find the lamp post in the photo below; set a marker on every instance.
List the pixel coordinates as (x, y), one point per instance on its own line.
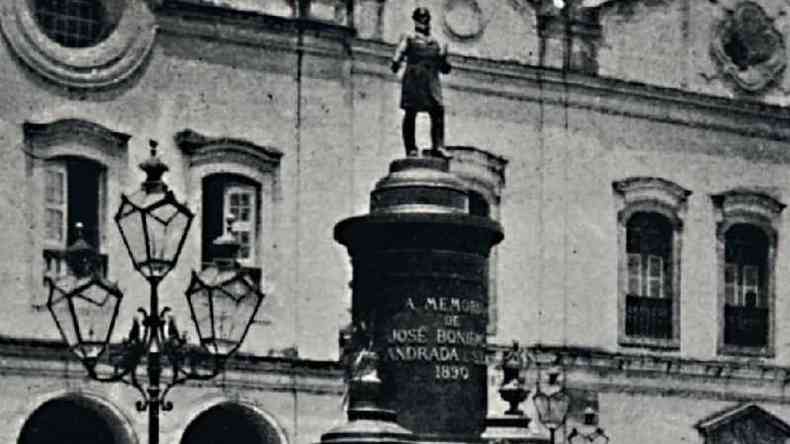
(223, 299)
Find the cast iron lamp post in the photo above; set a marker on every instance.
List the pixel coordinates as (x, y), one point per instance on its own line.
(552, 408)
(223, 300)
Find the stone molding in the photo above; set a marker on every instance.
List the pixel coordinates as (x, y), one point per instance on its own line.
(51, 359)
(587, 92)
(107, 63)
(203, 149)
(749, 75)
(464, 19)
(655, 190)
(728, 379)
(40, 135)
(761, 210)
(748, 204)
(652, 195)
(593, 368)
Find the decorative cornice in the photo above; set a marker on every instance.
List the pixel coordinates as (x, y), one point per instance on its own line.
(609, 96)
(204, 149)
(491, 77)
(652, 189)
(19, 356)
(482, 170)
(729, 379)
(748, 202)
(42, 134)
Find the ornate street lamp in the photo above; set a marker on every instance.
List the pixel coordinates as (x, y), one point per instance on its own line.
(153, 223)
(223, 301)
(589, 432)
(552, 408)
(83, 303)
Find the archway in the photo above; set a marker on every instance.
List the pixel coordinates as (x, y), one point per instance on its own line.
(74, 419)
(227, 419)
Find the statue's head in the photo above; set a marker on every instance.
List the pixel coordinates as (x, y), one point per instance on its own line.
(421, 17)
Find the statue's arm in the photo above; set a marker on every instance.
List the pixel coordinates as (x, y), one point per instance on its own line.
(445, 66)
(400, 53)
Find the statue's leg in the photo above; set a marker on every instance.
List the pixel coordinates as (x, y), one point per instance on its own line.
(437, 132)
(409, 139)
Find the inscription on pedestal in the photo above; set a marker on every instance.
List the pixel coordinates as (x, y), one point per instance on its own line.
(451, 345)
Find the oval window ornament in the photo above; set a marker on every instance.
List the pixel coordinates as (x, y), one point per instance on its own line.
(748, 47)
(80, 43)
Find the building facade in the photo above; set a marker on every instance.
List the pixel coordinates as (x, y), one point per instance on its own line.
(633, 150)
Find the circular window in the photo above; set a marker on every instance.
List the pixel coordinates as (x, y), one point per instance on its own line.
(78, 23)
(80, 43)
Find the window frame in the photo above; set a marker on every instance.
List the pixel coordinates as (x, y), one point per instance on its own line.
(667, 199)
(49, 146)
(256, 166)
(761, 211)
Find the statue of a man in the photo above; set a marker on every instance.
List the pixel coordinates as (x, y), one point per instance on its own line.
(421, 90)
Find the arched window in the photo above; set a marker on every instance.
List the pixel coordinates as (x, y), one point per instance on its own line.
(74, 419)
(746, 250)
(243, 424)
(745, 286)
(649, 237)
(650, 292)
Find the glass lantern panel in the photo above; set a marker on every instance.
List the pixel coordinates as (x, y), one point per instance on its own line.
(555, 409)
(95, 308)
(131, 227)
(166, 227)
(234, 307)
(60, 308)
(200, 302)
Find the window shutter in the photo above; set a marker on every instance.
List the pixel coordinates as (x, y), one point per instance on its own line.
(730, 283)
(655, 279)
(635, 274)
(240, 202)
(55, 205)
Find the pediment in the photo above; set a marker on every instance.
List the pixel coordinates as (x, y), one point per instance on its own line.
(744, 424)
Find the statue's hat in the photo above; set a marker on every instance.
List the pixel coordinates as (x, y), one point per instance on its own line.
(421, 15)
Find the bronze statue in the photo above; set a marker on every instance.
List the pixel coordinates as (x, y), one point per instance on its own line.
(421, 90)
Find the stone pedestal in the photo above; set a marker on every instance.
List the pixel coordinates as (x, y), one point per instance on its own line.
(420, 289)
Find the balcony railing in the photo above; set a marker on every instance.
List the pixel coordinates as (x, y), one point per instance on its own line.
(745, 326)
(55, 263)
(648, 317)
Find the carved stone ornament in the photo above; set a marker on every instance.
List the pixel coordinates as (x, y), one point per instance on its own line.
(464, 19)
(748, 47)
(110, 61)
